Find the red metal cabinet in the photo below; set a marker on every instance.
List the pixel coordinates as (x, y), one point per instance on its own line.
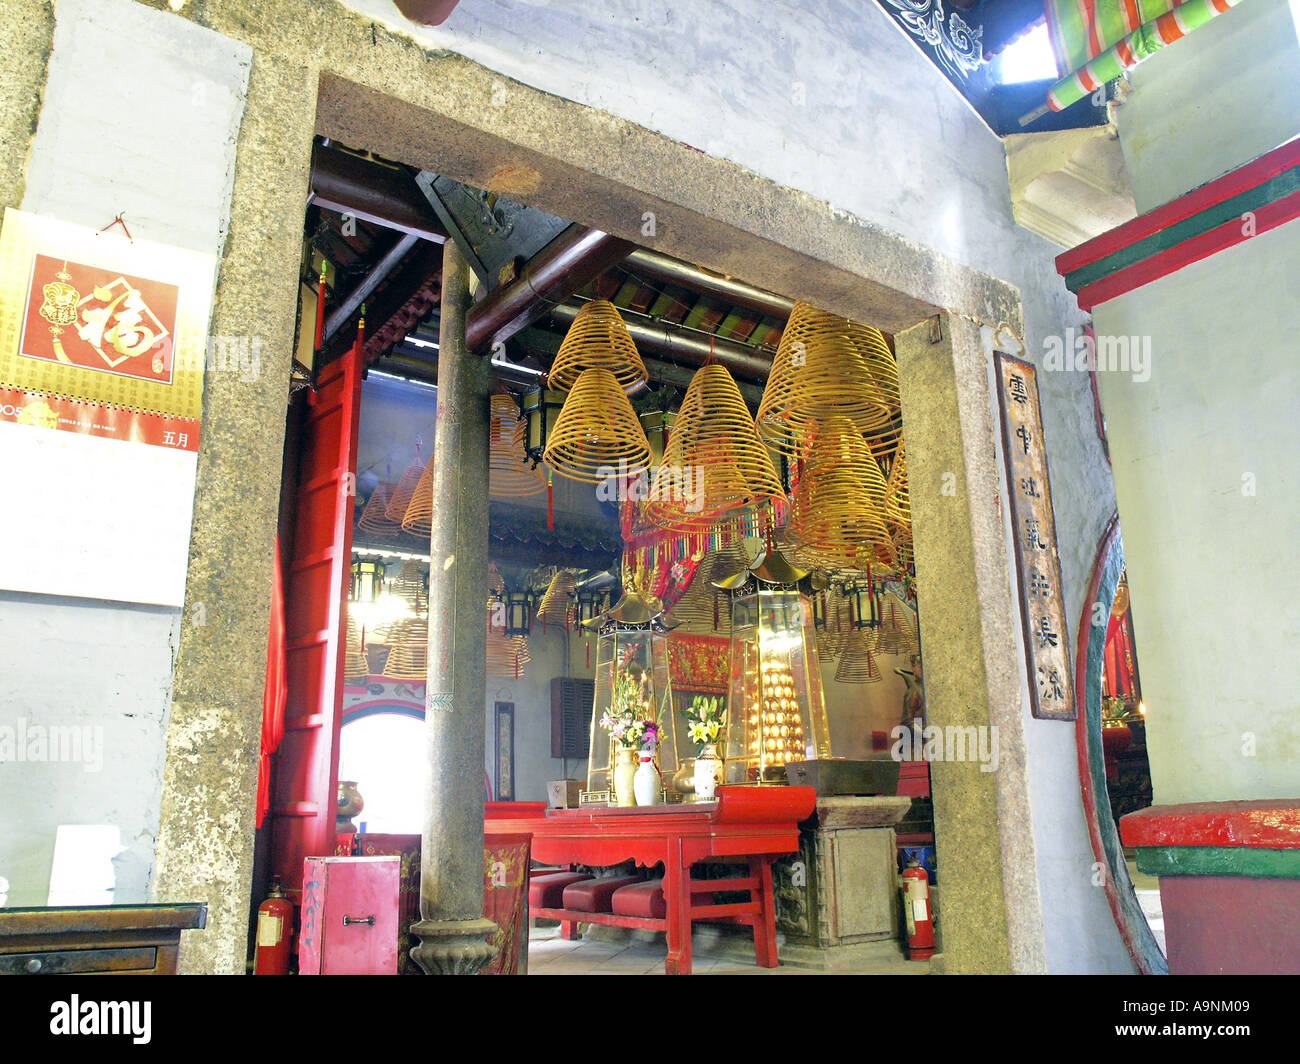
(349, 916)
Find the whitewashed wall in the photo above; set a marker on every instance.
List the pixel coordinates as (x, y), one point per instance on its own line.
(140, 114)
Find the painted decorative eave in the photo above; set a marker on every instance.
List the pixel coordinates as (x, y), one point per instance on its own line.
(1231, 209)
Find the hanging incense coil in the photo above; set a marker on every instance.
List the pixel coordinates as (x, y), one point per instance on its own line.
(898, 500)
(857, 663)
(356, 666)
(412, 585)
(418, 520)
(374, 521)
(597, 432)
(827, 366)
(511, 474)
(557, 605)
(714, 467)
(832, 639)
(896, 634)
(703, 608)
(837, 516)
(400, 499)
(598, 339)
(408, 654)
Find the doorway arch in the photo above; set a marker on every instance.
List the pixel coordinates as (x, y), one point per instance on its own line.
(1102, 830)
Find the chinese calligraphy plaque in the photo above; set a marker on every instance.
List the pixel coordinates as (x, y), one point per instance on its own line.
(1033, 524)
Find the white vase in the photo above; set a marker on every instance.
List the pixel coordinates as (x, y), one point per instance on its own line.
(624, 774)
(646, 783)
(707, 770)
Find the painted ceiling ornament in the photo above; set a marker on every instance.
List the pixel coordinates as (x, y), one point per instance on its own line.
(957, 44)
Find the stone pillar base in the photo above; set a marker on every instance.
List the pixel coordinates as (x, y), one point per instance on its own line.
(453, 947)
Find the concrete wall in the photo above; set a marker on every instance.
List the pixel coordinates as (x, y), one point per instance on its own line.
(1205, 466)
(1220, 97)
(1205, 450)
(140, 116)
(834, 100)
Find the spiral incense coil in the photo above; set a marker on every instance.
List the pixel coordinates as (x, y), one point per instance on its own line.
(374, 520)
(400, 499)
(597, 431)
(702, 609)
(837, 516)
(419, 512)
(831, 640)
(410, 584)
(898, 500)
(827, 366)
(556, 607)
(356, 666)
(896, 634)
(857, 663)
(714, 466)
(598, 339)
(408, 655)
(511, 474)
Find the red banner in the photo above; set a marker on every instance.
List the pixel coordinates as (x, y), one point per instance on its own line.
(21, 407)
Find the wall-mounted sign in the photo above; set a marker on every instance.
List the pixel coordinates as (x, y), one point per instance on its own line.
(1033, 529)
(103, 343)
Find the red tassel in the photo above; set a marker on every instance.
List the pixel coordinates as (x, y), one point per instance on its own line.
(550, 503)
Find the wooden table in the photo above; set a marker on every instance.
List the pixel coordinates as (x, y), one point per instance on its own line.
(107, 939)
(758, 824)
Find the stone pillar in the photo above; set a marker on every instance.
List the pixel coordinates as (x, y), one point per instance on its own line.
(451, 928)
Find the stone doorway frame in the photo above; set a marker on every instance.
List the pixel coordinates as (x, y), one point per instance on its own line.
(319, 70)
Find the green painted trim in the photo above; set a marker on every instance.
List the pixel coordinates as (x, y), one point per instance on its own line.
(1243, 862)
(1234, 207)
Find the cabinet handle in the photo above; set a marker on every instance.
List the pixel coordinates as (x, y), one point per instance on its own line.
(34, 965)
(358, 920)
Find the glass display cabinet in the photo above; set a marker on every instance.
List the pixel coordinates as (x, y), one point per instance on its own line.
(776, 710)
(631, 670)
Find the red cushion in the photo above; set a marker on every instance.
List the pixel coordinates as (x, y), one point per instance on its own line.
(547, 892)
(645, 900)
(595, 895)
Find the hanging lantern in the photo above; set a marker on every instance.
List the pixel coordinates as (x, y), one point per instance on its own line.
(541, 411)
(776, 710)
(598, 338)
(518, 606)
(367, 580)
(864, 604)
(597, 434)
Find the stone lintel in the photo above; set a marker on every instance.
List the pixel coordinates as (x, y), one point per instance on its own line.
(845, 811)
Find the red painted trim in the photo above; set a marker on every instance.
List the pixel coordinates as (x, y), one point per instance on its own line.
(1109, 885)
(1227, 235)
(1264, 824)
(1267, 166)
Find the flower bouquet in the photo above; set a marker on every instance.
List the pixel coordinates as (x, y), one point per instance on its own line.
(706, 715)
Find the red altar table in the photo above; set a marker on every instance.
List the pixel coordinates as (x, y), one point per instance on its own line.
(758, 824)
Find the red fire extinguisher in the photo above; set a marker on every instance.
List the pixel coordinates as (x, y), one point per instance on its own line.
(274, 925)
(916, 907)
